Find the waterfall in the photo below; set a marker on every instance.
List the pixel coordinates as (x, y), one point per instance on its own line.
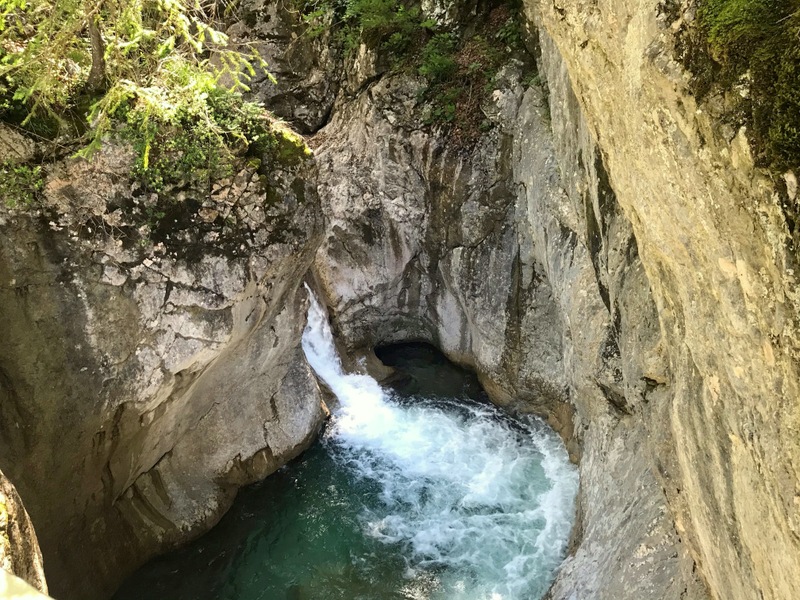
(479, 505)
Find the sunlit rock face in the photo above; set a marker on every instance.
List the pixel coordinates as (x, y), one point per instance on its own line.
(422, 241)
(306, 68)
(20, 555)
(604, 244)
(149, 367)
(601, 255)
(715, 248)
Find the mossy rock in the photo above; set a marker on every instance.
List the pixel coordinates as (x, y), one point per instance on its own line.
(290, 148)
(749, 50)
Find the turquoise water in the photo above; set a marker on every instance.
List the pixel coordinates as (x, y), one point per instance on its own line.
(421, 491)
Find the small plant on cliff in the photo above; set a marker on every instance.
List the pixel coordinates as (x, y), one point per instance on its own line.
(438, 58)
(461, 71)
(196, 141)
(20, 184)
(394, 25)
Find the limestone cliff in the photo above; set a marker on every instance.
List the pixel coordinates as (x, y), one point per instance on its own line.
(607, 247)
(515, 259)
(716, 249)
(151, 359)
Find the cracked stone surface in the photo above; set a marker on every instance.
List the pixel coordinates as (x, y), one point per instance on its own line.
(716, 248)
(516, 259)
(604, 256)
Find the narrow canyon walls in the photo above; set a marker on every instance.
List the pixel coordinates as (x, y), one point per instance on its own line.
(603, 254)
(515, 258)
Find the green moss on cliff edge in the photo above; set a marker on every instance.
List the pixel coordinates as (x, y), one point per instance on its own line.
(751, 49)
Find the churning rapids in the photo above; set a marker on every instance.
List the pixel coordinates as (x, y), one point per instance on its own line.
(409, 495)
(479, 506)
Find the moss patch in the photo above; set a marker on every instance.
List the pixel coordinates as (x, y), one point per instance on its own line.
(749, 51)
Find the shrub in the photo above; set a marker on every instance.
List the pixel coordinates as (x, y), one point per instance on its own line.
(157, 66)
(20, 184)
(438, 60)
(196, 143)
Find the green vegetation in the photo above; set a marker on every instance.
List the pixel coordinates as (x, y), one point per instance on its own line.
(154, 72)
(392, 25)
(458, 64)
(20, 184)
(373, 21)
(438, 58)
(755, 49)
(197, 142)
(461, 70)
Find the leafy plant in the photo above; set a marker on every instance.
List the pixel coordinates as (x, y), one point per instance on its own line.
(393, 25)
(510, 33)
(158, 66)
(438, 61)
(20, 184)
(444, 107)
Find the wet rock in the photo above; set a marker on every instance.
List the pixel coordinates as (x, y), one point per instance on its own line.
(516, 259)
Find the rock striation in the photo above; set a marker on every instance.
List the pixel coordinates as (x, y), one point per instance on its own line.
(716, 248)
(516, 259)
(151, 360)
(608, 259)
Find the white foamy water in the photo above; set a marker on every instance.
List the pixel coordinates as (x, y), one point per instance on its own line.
(479, 505)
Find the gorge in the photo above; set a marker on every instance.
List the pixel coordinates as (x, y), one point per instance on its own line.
(426, 491)
(599, 247)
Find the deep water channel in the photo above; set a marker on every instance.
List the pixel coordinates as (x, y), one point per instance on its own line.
(421, 490)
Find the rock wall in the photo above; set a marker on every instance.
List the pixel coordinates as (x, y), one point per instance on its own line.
(604, 255)
(716, 250)
(421, 244)
(151, 359)
(611, 248)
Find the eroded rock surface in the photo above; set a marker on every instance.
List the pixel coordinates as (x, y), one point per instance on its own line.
(716, 250)
(601, 245)
(151, 359)
(413, 220)
(305, 67)
(603, 255)
(535, 283)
